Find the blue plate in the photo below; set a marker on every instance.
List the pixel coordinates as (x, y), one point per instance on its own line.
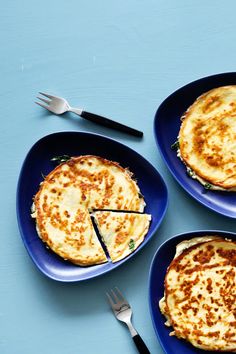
(166, 129)
(37, 162)
(161, 260)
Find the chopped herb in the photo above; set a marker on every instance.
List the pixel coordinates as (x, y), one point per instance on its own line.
(190, 172)
(131, 244)
(175, 146)
(207, 186)
(43, 175)
(60, 159)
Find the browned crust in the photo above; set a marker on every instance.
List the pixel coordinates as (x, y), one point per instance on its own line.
(50, 179)
(123, 232)
(73, 161)
(215, 159)
(204, 259)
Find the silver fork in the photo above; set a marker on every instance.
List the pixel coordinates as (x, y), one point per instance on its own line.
(123, 313)
(59, 105)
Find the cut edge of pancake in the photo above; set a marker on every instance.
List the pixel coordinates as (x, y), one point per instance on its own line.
(121, 243)
(99, 256)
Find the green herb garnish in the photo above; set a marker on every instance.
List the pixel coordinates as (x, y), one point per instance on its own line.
(175, 146)
(190, 172)
(131, 244)
(60, 159)
(207, 186)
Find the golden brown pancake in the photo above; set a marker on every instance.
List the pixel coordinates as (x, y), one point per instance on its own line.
(69, 192)
(207, 138)
(200, 295)
(121, 232)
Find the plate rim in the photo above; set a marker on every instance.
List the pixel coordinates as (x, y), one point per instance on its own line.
(114, 265)
(197, 197)
(151, 270)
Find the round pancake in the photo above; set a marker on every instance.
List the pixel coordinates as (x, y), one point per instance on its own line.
(121, 232)
(200, 295)
(207, 137)
(62, 204)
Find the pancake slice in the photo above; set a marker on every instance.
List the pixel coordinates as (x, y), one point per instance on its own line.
(121, 232)
(207, 138)
(200, 295)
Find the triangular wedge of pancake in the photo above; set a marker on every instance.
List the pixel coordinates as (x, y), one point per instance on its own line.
(207, 143)
(67, 195)
(121, 232)
(200, 294)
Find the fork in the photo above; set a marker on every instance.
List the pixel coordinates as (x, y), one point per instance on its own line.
(123, 313)
(59, 105)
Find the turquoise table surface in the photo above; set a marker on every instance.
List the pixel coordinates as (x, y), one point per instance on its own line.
(120, 59)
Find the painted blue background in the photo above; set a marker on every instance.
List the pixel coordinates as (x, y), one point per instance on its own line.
(120, 59)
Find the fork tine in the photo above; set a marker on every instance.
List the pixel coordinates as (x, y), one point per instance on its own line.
(114, 295)
(121, 295)
(44, 106)
(43, 99)
(110, 300)
(46, 95)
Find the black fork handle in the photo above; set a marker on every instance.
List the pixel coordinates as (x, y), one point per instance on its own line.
(106, 122)
(141, 346)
